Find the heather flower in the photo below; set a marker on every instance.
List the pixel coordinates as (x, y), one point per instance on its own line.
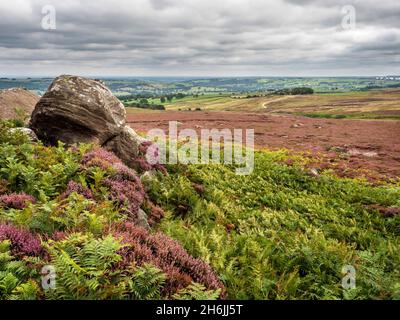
(168, 255)
(126, 194)
(77, 188)
(123, 183)
(23, 243)
(141, 164)
(101, 158)
(16, 200)
(97, 162)
(106, 160)
(59, 235)
(124, 173)
(155, 214)
(143, 147)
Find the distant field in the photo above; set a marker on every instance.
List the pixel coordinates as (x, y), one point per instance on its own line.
(377, 104)
(372, 104)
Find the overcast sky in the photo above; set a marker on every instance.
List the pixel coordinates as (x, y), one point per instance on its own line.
(200, 38)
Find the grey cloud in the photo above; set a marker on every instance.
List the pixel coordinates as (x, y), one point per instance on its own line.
(171, 37)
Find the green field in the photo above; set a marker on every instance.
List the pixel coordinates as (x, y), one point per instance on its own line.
(379, 104)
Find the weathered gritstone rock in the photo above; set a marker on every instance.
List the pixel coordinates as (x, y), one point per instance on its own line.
(15, 101)
(126, 145)
(76, 109)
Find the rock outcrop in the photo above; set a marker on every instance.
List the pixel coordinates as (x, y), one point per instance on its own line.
(126, 146)
(76, 109)
(16, 103)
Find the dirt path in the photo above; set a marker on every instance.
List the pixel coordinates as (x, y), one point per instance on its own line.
(280, 99)
(347, 145)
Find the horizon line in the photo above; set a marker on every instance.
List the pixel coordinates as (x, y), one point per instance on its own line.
(194, 76)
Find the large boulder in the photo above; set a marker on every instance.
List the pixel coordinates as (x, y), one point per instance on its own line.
(17, 103)
(76, 109)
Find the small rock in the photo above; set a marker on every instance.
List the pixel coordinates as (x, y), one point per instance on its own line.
(297, 125)
(141, 220)
(356, 152)
(28, 132)
(314, 172)
(148, 175)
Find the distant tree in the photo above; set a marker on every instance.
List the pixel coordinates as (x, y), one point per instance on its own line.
(301, 90)
(157, 107)
(146, 106)
(294, 91)
(283, 92)
(144, 101)
(162, 99)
